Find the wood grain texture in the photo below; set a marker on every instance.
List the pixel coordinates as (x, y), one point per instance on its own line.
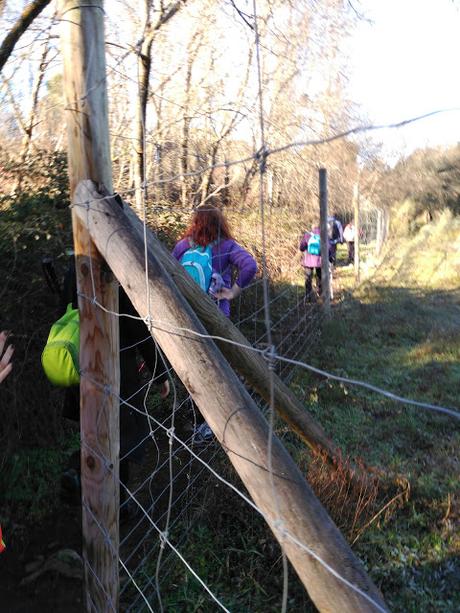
(89, 158)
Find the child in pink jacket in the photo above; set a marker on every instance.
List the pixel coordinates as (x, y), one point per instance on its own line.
(311, 260)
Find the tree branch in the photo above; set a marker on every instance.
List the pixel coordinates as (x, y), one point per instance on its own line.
(27, 16)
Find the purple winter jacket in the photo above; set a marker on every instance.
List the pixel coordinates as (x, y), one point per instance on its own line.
(226, 255)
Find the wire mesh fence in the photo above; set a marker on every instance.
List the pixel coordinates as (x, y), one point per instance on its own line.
(188, 158)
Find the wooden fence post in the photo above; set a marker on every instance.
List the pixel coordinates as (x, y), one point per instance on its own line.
(325, 270)
(251, 365)
(357, 229)
(378, 236)
(89, 158)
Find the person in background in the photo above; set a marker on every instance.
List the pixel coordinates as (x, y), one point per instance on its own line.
(335, 234)
(6, 353)
(209, 227)
(349, 236)
(208, 232)
(311, 261)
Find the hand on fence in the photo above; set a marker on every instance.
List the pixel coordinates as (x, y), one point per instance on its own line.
(227, 293)
(5, 362)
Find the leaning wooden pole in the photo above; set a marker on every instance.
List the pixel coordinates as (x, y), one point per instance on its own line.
(89, 158)
(279, 490)
(237, 349)
(241, 355)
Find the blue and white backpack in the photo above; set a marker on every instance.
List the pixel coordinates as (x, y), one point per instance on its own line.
(314, 245)
(197, 261)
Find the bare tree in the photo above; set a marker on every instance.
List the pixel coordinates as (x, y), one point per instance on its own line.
(144, 67)
(27, 16)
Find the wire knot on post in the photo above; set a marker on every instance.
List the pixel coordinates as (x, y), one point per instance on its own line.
(270, 356)
(170, 433)
(107, 539)
(148, 320)
(163, 539)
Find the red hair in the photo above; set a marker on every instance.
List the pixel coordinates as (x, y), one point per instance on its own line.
(208, 224)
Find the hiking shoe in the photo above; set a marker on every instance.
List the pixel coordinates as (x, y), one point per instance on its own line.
(203, 434)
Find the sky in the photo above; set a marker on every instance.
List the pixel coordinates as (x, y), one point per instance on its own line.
(405, 64)
(404, 60)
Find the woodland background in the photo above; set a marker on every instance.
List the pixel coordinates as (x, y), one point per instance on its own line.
(184, 105)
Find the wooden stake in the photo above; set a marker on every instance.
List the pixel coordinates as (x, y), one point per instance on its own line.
(325, 274)
(89, 158)
(239, 352)
(357, 230)
(281, 493)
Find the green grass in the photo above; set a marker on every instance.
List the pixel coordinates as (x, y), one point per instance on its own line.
(30, 482)
(400, 333)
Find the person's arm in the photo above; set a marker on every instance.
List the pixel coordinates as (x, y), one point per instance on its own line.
(5, 362)
(246, 265)
(304, 242)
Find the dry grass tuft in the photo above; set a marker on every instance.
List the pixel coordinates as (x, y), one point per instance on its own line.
(354, 497)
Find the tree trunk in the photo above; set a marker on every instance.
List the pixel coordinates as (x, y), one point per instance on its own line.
(89, 158)
(239, 352)
(26, 142)
(144, 65)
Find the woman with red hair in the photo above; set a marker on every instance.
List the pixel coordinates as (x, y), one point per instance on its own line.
(208, 246)
(209, 229)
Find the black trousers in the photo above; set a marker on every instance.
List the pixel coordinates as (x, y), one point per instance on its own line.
(332, 253)
(309, 279)
(351, 251)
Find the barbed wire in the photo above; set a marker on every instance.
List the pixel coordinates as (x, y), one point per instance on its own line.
(261, 157)
(190, 334)
(256, 156)
(278, 523)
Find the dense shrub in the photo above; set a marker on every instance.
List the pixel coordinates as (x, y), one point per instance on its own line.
(33, 224)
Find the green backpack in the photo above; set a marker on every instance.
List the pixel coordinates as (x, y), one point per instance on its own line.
(60, 355)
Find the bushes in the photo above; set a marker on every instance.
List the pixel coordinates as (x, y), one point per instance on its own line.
(30, 227)
(430, 178)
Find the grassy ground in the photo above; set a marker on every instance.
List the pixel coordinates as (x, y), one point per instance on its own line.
(401, 330)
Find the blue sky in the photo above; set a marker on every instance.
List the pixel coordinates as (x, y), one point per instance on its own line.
(406, 64)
